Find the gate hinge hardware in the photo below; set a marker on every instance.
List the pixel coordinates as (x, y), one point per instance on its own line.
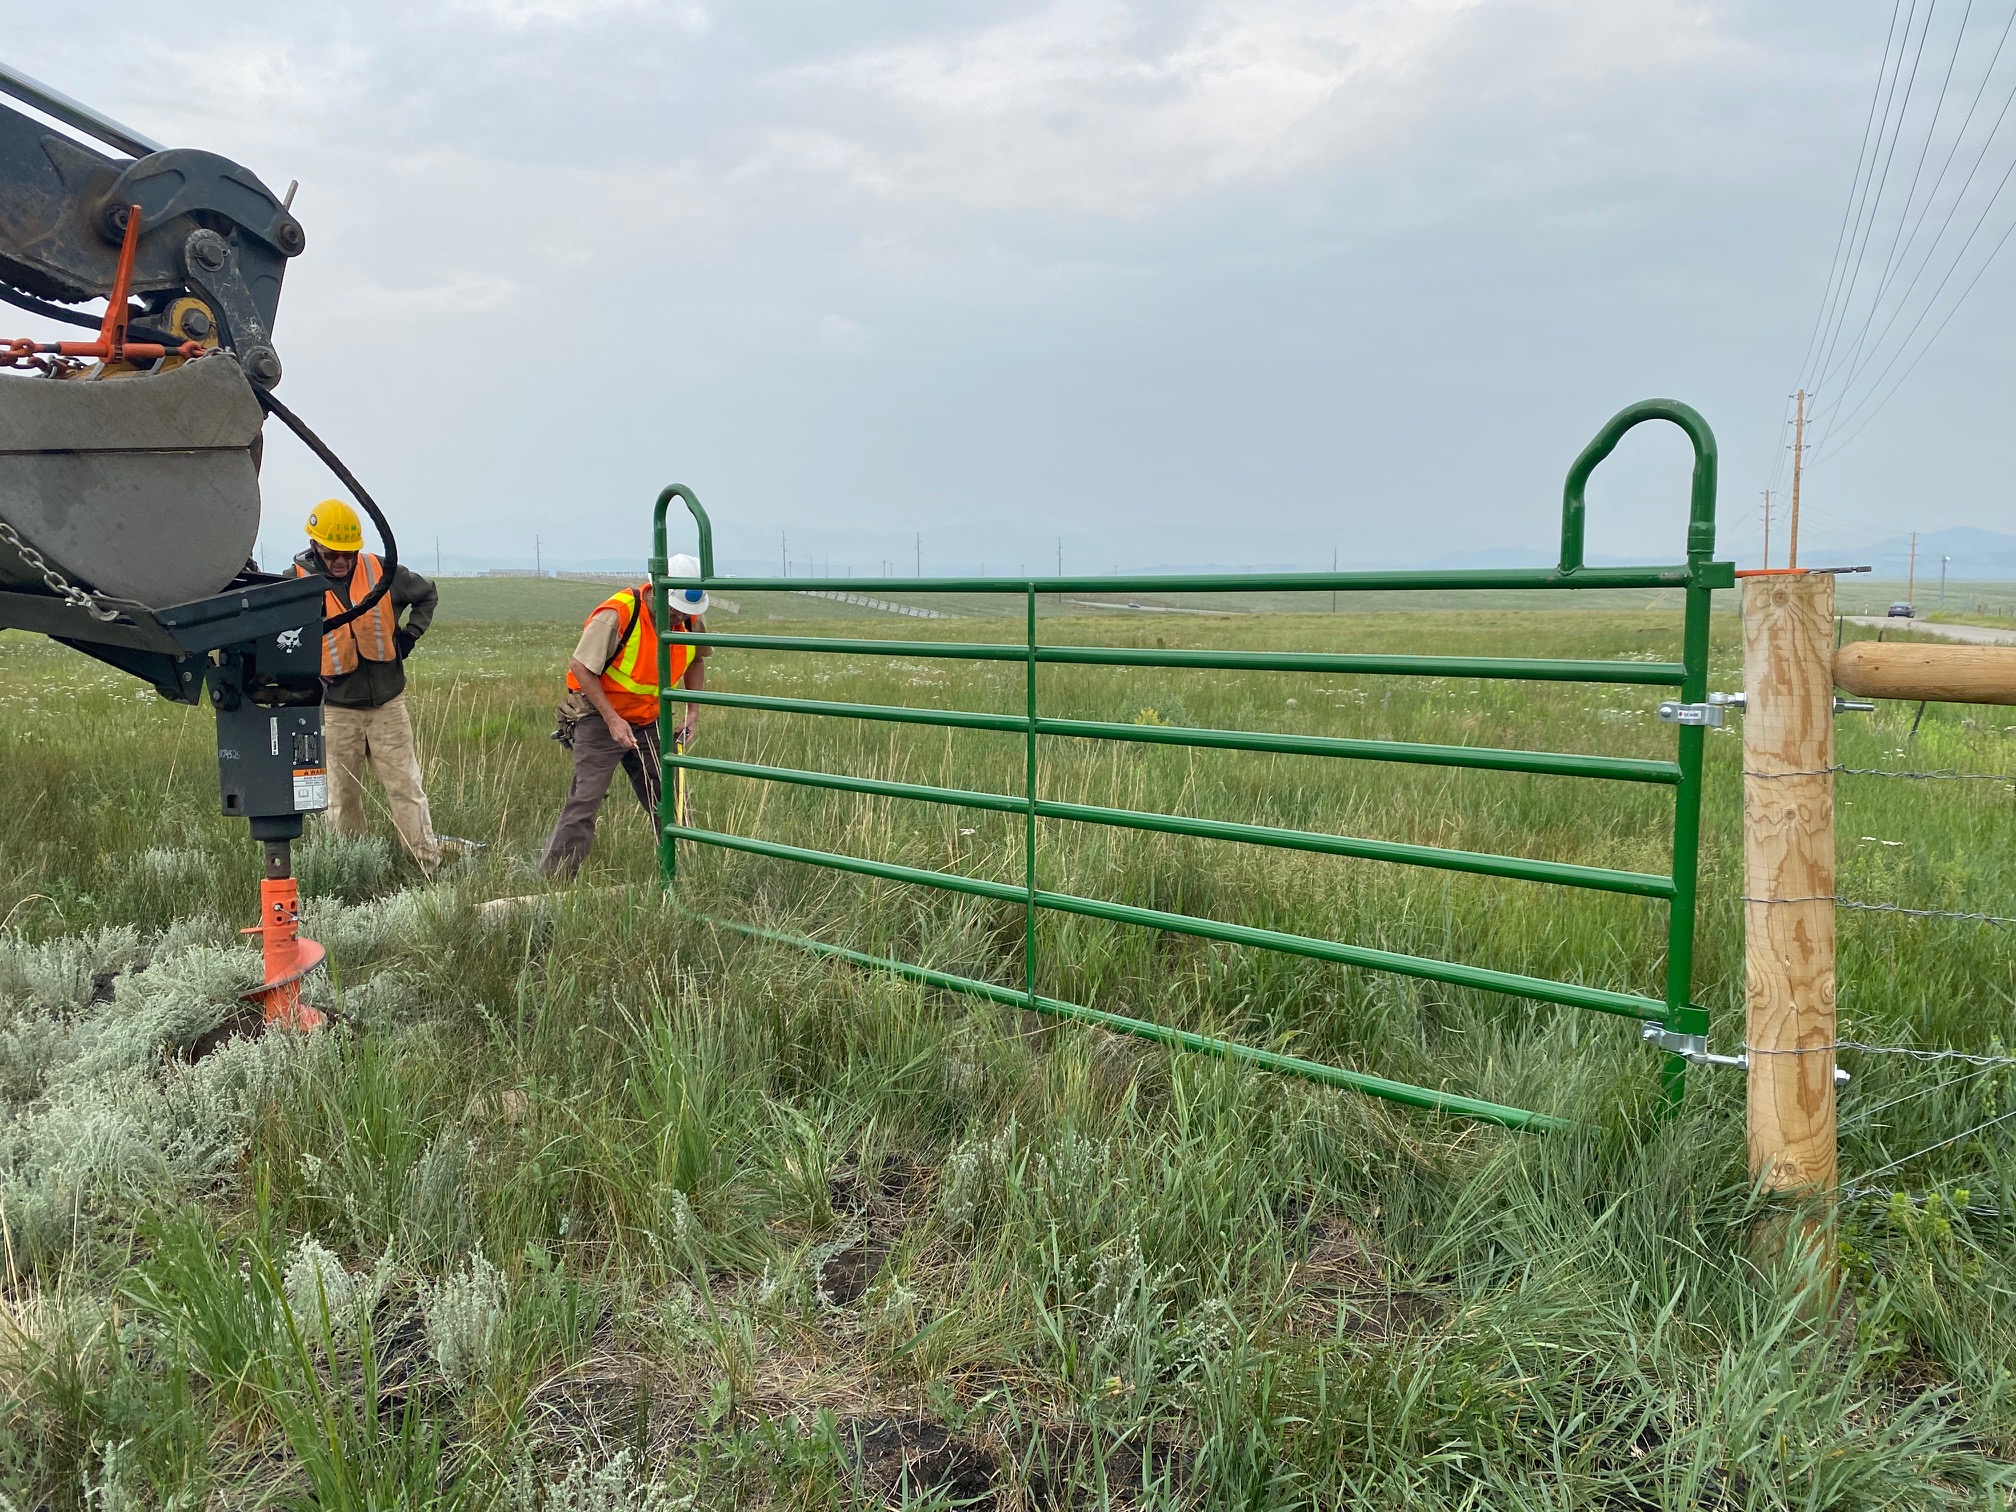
(1693, 1048)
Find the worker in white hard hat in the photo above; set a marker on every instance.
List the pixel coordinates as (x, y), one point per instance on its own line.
(609, 716)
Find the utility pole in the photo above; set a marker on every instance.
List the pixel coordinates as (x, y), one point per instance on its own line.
(538, 558)
(1333, 591)
(920, 553)
(1942, 580)
(1798, 466)
(1911, 575)
(1767, 527)
(437, 556)
(783, 553)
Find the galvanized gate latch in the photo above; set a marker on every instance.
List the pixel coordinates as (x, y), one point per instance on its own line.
(1674, 712)
(1693, 1048)
(1711, 712)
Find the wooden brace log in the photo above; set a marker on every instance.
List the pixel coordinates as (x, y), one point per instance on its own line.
(1942, 674)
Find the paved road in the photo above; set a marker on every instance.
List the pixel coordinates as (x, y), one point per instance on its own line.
(1973, 635)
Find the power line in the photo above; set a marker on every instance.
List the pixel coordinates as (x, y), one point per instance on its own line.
(1865, 228)
(1851, 266)
(1950, 313)
(1917, 172)
(1960, 195)
(1836, 411)
(1835, 264)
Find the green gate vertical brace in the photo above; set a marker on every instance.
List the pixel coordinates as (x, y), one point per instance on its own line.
(1683, 1015)
(668, 843)
(1029, 836)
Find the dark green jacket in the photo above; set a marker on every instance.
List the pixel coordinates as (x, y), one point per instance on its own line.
(375, 684)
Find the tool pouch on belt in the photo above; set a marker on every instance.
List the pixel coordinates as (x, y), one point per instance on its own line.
(573, 708)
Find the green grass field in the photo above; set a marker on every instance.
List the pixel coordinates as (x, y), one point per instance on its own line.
(587, 1205)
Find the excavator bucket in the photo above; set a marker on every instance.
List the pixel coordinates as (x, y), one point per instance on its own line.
(141, 487)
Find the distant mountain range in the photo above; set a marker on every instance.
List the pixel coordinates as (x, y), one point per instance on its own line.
(1975, 555)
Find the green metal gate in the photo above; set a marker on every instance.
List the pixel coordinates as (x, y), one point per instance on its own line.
(1672, 1018)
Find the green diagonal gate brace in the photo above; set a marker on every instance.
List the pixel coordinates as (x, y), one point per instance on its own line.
(1697, 577)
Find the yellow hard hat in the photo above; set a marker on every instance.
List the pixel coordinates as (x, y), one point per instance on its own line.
(333, 523)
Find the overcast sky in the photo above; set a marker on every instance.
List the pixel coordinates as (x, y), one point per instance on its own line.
(1153, 277)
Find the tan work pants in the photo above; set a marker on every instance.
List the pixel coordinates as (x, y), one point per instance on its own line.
(382, 737)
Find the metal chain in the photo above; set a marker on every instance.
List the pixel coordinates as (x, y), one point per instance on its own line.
(57, 584)
(1895, 908)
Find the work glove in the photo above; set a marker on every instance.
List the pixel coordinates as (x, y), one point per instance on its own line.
(403, 642)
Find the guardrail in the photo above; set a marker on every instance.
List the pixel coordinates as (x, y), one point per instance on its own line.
(1675, 1021)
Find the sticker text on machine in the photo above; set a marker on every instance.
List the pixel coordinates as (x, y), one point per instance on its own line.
(311, 790)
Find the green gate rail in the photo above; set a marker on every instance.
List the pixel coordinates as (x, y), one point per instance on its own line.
(1672, 1011)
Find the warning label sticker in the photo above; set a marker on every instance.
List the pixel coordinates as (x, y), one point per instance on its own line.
(311, 790)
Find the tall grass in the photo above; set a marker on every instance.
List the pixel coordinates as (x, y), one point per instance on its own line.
(587, 1203)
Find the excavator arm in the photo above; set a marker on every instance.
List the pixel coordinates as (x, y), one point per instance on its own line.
(211, 230)
(129, 488)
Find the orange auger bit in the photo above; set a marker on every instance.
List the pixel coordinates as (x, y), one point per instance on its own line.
(289, 957)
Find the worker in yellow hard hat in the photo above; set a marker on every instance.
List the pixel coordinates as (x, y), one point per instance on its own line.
(364, 717)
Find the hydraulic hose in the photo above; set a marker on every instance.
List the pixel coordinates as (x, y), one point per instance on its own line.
(348, 479)
(136, 328)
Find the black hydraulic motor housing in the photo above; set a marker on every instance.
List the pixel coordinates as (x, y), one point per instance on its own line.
(270, 763)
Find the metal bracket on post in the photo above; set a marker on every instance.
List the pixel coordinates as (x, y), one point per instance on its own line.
(1693, 1048)
(1674, 712)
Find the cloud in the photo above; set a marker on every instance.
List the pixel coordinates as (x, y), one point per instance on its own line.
(1127, 109)
(837, 333)
(460, 294)
(522, 14)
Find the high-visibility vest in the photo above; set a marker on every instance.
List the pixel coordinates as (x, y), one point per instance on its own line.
(369, 637)
(631, 678)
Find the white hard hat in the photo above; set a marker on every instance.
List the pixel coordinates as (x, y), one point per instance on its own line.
(691, 602)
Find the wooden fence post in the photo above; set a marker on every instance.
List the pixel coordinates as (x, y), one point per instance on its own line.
(1788, 878)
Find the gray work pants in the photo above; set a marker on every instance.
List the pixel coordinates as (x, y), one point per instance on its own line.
(596, 758)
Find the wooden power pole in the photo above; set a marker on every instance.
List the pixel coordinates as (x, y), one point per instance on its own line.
(1788, 878)
(1767, 528)
(1798, 466)
(1911, 573)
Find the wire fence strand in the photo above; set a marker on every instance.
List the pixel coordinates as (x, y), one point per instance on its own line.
(1847, 771)
(1838, 901)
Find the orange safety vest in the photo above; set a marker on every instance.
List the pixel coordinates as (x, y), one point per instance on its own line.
(367, 637)
(631, 678)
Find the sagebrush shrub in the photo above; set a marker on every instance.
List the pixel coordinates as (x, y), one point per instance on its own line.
(463, 1313)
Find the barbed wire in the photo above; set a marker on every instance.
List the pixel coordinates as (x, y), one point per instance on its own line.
(1945, 775)
(1908, 1051)
(1892, 908)
(1848, 771)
